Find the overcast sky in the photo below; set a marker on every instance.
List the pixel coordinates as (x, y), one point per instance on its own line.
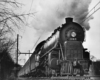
(50, 14)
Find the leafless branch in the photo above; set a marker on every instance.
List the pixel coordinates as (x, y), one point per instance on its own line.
(8, 21)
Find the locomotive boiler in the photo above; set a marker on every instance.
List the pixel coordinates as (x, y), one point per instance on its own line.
(62, 54)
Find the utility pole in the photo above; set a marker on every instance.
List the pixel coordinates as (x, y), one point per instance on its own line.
(16, 67)
(29, 60)
(17, 48)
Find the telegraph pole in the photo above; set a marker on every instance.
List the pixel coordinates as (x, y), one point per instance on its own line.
(16, 67)
(29, 60)
(17, 48)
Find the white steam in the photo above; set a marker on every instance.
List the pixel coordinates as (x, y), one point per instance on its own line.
(51, 13)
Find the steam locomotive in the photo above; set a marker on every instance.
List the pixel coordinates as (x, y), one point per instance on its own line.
(62, 54)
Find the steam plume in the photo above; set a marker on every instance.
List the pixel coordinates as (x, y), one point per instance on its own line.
(51, 13)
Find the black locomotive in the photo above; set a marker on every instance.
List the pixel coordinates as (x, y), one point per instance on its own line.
(62, 54)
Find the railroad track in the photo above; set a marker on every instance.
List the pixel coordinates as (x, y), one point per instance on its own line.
(64, 78)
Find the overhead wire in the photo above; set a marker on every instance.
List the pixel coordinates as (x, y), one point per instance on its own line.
(95, 10)
(94, 6)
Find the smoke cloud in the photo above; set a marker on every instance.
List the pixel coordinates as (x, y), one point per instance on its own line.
(51, 13)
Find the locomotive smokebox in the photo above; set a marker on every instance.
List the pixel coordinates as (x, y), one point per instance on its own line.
(68, 20)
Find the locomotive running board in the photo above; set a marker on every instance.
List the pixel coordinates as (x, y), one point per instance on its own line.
(65, 78)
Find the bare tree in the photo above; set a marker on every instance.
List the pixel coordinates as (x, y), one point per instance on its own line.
(9, 22)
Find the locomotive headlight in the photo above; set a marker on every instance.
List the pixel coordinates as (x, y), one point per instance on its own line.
(73, 34)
